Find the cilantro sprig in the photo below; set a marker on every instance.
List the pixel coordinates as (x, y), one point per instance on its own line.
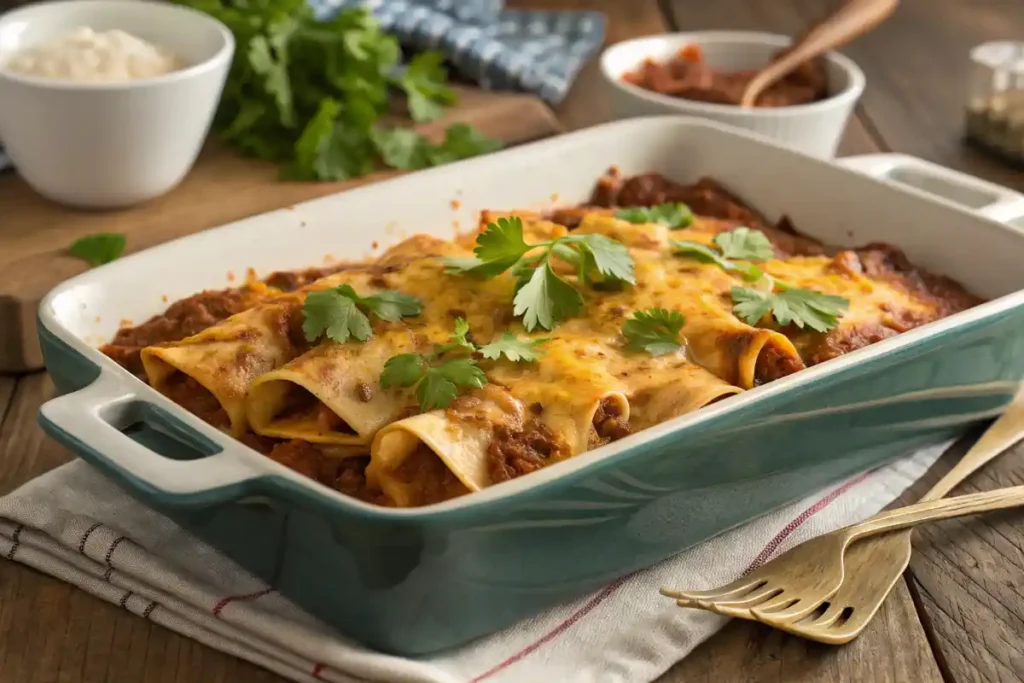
(674, 215)
(313, 95)
(100, 248)
(655, 331)
(513, 348)
(438, 375)
(340, 313)
(543, 298)
(787, 304)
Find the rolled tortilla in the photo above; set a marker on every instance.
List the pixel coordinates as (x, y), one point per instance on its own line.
(210, 373)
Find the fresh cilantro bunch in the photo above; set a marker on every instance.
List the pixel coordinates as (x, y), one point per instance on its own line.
(311, 94)
(674, 215)
(787, 304)
(340, 313)
(439, 375)
(655, 331)
(542, 297)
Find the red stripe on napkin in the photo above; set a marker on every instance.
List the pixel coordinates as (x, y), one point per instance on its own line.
(219, 607)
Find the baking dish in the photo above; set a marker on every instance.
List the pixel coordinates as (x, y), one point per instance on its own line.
(419, 580)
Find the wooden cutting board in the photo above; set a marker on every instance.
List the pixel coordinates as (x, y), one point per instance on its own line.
(222, 187)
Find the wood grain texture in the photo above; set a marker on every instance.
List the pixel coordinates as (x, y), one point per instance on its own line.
(221, 188)
(889, 651)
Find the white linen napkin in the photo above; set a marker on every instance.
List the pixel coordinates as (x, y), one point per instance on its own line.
(74, 524)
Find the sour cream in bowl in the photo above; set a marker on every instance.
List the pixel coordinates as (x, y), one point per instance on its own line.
(106, 103)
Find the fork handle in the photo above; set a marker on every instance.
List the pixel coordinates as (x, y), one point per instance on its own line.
(1003, 433)
(912, 515)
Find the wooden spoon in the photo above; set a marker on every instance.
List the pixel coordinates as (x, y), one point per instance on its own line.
(852, 19)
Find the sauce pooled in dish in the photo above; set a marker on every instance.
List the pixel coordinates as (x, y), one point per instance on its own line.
(689, 77)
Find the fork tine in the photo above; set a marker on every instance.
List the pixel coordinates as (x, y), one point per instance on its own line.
(783, 603)
(828, 617)
(741, 586)
(745, 600)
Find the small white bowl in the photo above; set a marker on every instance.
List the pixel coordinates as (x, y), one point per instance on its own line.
(813, 128)
(111, 144)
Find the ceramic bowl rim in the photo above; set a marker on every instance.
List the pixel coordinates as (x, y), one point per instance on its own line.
(214, 62)
(855, 78)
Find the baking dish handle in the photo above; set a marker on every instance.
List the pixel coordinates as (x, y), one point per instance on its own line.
(92, 419)
(985, 198)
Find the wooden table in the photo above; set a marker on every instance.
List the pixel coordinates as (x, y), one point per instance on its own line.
(957, 617)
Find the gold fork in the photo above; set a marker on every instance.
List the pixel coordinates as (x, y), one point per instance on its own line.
(820, 560)
(786, 591)
(872, 566)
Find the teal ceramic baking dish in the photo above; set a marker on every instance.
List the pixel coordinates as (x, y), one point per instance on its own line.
(417, 581)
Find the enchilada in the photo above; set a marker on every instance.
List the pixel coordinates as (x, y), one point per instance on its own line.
(540, 338)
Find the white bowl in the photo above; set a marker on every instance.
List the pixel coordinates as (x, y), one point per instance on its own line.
(814, 128)
(111, 144)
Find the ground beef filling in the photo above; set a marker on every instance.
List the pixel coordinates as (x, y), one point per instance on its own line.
(436, 483)
(300, 403)
(773, 364)
(181, 319)
(609, 424)
(345, 475)
(196, 399)
(515, 452)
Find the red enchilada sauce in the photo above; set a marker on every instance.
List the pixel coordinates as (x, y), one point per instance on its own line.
(687, 76)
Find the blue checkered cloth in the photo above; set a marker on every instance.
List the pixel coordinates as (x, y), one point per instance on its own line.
(538, 52)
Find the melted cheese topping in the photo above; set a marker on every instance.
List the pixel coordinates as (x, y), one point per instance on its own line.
(585, 389)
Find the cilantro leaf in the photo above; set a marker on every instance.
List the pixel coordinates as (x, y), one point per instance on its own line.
(513, 348)
(402, 370)
(498, 248)
(401, 148)
(705, 254)
(441, 383)
(460, 340)
(392, 306)
(424, 86)
(461, 141)
(675, 215)
(544, 299)
(437, 379)
(435, 391)
(100, 248)
(335, 313)
(604, 255)
(331, 313)
(751, 305)
(329, 150)
(655, 331)
(745, 244)
(793, 305)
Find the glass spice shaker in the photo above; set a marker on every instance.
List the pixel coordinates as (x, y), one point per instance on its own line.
(995, 100)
